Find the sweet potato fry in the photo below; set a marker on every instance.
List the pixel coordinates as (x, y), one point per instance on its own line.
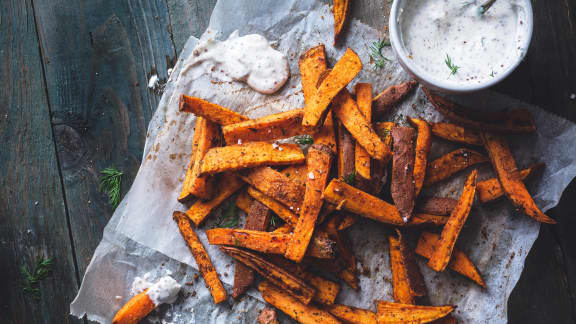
(459, 262)
(347, 112)
(284, 229)
(451, 163)
(505, 166)
(185, 194)
(456, 133)
(423, 142)
(343, 72)
(407, 281)
(268, 242)
(278, 276)
(312, 63)
(135, 309)
(244, 201)
(195, 184)
(250, 155)
(340, 11)
(352, 315)
(509, 122)
(297, 173)
(276, 185)
(349, 277)
(364, 101)
(292, 307)
(282, 211)
(427, 219)
(276, 126)
(405, 313)
(441, 256)
(258, 218)
(346, 154)
(402, 187)
(212, 112)
(227, 185)
(202, 258)
(392, 95)
(354, 200)
(319, 161)
(437, 205)
(490, 189)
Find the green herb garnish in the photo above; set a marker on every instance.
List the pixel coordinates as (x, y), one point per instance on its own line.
(275, 220)
(229, 217)
(32, 278)
(349, 179)
(453, 68)
(376, 53)
(110, 184)
(483, 8)
(492, 74)
(304, 139)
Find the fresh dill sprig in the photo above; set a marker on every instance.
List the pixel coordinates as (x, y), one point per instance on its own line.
(349, 179)
(110, 184)
(31, 279)
(304, 139)
(275, 220)
(453, 68)
(492, 74)
(376, 53)
(229, 217)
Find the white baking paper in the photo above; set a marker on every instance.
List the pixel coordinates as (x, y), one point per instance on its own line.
(142, 238)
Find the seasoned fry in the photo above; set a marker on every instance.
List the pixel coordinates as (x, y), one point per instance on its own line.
(292, 307)
(282, 211)
(276, 275)
(490, 189)
(441, 256)
(258, 218)
(244, 201)
(346, 149)
(509, 122)
(297, 173)
(312, 64)
(505, 166)
(354, 200)
(407, 281)
(135, 309)
(250, 155)
(451, 163)
(459, 262)
(392, 95)
(427, 219)
(402, 187)
(268, 128)
(343, 72)
(284, 229)
(347, 112)
(267, 316)
(384, 130)
(276, 185)
(268, 242)
(423, 142)
(340, 11)
(349, 277)
(202, 258)
(405, 313)
(319, 161)
(364, 101)
(185, 194)
(456, 133)
(227, 185)
(212, 112)
(351, 314)
(437, 205)
(195, 184)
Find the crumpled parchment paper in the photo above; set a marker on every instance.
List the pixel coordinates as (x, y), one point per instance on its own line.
(142, 238)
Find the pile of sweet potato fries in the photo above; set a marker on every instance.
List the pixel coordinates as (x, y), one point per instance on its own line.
(320, 193)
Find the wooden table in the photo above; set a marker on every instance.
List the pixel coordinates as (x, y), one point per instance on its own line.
(74, 100)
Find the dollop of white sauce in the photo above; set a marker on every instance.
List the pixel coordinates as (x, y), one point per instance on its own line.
(164, 291)
(248, 59)
(480, 45)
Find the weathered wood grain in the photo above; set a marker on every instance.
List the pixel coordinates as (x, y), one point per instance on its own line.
(33, 220)
(189, 18)
(98, 57)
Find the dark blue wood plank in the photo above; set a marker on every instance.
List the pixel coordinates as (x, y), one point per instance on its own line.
(98, 57)
(33, 220)
(189, 18)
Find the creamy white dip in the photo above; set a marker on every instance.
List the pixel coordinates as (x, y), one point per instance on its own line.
(451, 40)
(249, 59)
(164, 291)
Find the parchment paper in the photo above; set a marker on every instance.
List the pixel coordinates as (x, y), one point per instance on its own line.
(142, 238)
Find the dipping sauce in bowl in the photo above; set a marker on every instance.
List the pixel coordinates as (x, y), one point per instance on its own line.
(451, 45)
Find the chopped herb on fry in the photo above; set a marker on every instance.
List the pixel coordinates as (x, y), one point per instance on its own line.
(304, 139)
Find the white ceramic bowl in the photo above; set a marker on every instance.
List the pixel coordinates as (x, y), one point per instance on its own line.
(424, 78)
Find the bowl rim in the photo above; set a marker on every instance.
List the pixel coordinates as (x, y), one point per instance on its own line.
(427, 79)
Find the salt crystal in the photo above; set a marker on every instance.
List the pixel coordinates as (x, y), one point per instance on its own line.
(311, 175)
(239, 142)
(153, 82)
(275, 145)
